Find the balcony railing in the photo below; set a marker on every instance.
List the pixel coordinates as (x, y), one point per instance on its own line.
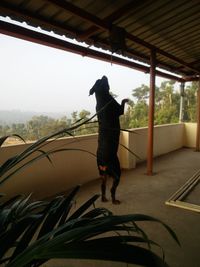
(77, 167)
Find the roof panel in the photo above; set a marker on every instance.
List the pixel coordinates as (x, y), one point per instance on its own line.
(171, 28)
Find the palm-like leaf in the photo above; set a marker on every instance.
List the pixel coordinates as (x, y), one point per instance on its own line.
(77, 236)
(31, 233)
(4, 138)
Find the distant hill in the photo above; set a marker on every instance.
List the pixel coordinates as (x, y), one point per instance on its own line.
(16, 116)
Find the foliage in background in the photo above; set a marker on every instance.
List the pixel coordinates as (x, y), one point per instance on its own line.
(167, 105)
(190, 102)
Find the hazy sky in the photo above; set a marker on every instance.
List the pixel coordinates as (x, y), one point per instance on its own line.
(38, 78)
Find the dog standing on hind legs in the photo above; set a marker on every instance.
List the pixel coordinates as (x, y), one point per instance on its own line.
(108, 113)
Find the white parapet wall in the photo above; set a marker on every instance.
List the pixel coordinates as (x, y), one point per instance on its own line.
(68, 169)
(167, 138)
(75, 166)
(190, 135)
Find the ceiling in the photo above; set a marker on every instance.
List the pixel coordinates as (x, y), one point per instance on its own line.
(132, 29)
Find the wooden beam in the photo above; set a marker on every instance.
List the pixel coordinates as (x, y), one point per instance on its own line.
(112, 18)
(183, 205)
(107, 26)
(177, 199)
(43, 39)
(161, 52)
(35, 18)
(8, 9)
(186, 187)
(191, 79)
(79, 12)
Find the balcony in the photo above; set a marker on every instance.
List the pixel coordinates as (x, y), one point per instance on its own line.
(140, 193)
(174, 163)
(77, 167)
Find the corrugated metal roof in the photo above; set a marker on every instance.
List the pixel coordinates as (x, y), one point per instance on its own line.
(171, 28)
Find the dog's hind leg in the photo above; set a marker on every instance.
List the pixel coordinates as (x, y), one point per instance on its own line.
(103, 188)
(113, 191)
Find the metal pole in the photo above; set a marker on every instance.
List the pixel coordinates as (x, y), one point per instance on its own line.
(182, 94)
(198, 119)
(151, 113)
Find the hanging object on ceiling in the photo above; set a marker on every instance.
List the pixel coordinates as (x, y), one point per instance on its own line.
(117, 39)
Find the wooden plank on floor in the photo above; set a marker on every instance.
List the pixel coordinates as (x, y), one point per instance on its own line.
(183, 205)
(176, 199)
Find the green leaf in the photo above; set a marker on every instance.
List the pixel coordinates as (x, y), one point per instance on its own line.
(28, 235)
(10, 202)
(69, 200)
(4, 138)
(142, 217)
(8, 239)
(7, 164)
(51, 218)
(83, 208)
(112, 251)
(97, 212)
(57, 212)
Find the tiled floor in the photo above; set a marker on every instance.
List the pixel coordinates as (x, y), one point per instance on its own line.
(144, 194)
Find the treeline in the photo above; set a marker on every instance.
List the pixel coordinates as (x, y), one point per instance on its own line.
(167, 107)
(40, 126)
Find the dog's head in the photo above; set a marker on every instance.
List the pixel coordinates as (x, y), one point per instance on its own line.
(100, 86)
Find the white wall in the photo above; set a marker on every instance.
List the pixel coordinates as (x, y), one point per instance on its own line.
(77, 167)
(190, 135)
(44, 179)
(167, 138)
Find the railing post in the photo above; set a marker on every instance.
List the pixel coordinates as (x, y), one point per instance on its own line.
(151, 113)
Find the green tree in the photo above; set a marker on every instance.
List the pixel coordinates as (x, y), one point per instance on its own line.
(141, 93)
(126, 118)
(139, 115)
(40, 126)
(87, 128)
(191, 102)
(167, 106)
(167, 102)
(74, 116)
(138, 112)
(84, 114)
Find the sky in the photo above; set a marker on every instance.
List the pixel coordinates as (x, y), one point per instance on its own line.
(43, 79)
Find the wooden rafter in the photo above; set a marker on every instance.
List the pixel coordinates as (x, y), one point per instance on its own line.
(37, 37)
(106, 26)
(59, 27)
(110, 19)
(35, 18)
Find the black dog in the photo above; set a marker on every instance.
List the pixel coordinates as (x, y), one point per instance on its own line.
(108, 112)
